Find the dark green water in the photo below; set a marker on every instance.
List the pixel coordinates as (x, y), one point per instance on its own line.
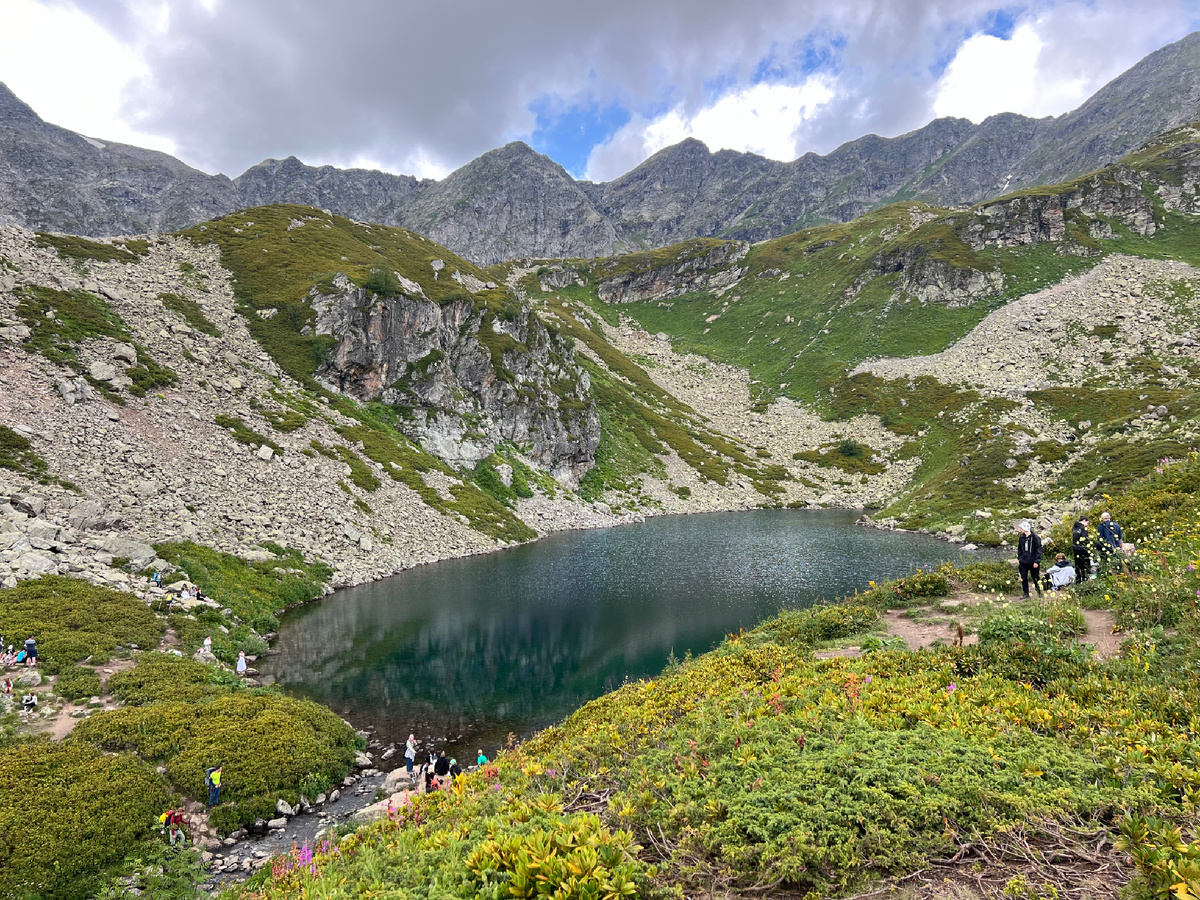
(468, 650)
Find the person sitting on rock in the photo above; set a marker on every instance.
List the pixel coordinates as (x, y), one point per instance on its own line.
(1062, 573)
(8, 686)
(29, 702)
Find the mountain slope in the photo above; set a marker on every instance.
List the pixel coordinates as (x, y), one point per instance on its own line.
(512, 202)
(55, 179)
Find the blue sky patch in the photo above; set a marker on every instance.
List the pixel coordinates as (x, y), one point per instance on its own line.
(568, 134)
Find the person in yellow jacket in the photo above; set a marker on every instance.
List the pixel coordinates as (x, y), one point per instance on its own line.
(212, 777)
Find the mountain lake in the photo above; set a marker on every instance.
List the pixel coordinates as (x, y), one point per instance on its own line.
(465, 651)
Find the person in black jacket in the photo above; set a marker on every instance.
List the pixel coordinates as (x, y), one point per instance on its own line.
(1079, 545)
(1029, 559)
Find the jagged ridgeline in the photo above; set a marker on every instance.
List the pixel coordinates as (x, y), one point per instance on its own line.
(1053, 384)
(382, 314)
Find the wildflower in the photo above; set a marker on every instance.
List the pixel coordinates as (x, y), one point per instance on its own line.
(867, 680)
(951, 688)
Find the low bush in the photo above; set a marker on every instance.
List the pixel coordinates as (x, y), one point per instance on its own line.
(820, 623)
(992, 575)
(267, 744)
(76, 683)
(903, 592)
(67, 812)
(160, 677)
(73, 620)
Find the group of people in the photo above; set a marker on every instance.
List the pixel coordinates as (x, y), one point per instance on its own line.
(439, 770)
(1109, 545)
(26, 656)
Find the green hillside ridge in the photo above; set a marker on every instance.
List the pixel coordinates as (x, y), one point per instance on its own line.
(758, 766)
(813, 305)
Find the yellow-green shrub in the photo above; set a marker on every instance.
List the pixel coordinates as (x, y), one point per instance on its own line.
(72, 620)
(66, 812)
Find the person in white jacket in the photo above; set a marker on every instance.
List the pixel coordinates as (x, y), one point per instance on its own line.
(1062, 573)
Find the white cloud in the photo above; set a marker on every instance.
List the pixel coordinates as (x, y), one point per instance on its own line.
(989, 75)
(70, 70)
(762, 119)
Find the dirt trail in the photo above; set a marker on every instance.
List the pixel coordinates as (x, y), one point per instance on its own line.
(937, 625)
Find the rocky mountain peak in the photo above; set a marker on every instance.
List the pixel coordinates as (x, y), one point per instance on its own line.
(14, 111)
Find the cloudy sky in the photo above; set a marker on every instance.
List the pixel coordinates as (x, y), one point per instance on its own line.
(423, 86)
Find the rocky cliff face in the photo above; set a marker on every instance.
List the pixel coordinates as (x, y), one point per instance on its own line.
(473, 380)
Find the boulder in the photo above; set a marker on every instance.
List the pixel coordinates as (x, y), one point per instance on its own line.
(394, 779)
(102, 371)
(125, 353)
(279, 823)
(29, 678)
(284, 808)
(265, 453)
(37, 562)
(362, 760)
(380, 810)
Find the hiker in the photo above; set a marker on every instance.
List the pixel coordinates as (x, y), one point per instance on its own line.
(1079, 547)
(208, 643)
(1029, 559)
(442, 767)
(212, 779)
(8, 686)
(31, 648)
(1062, 573)
(410, 754)
(29, 702)
(156, 579)
(241, 663)
(172, 820)
(455, 769)
(481, 760)
(1109, 536)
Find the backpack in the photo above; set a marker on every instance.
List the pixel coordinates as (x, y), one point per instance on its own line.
(208, 782)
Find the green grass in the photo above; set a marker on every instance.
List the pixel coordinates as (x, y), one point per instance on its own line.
(274, 268)
(74, 621)
(60, 320)
(17, 455)
(244, 434)
(254, 590)
(80, 249)
(164, 677)
(191, 312)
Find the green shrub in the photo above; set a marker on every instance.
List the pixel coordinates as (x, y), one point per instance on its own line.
(267, 744)
(68, 811)
(17, 454)
(76, 683)
(821, 623)
(383, 281)
(244, 434)
(191, 312)
(992, 575)
(256, 590)
(73, 620)
(80, 249)
(161, 677)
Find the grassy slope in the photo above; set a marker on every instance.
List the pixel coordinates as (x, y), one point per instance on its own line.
(757, 766)
(832, 300)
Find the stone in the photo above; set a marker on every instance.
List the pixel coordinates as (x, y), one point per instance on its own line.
(284, 808)
(37, 562)
(280, 823)
(265, 453)
(102, 371)
(125, 353)
(29, 678)
(335, 795)
(362, 760)
(982, 514)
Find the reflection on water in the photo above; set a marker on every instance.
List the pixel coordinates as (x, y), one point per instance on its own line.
(471, 649)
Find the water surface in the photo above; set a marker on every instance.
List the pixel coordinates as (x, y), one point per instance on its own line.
(471, 649)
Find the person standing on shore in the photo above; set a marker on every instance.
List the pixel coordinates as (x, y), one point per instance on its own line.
(481, 760)
(212, 777)
(1029, 559)
(31, 650)
(410, 754)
